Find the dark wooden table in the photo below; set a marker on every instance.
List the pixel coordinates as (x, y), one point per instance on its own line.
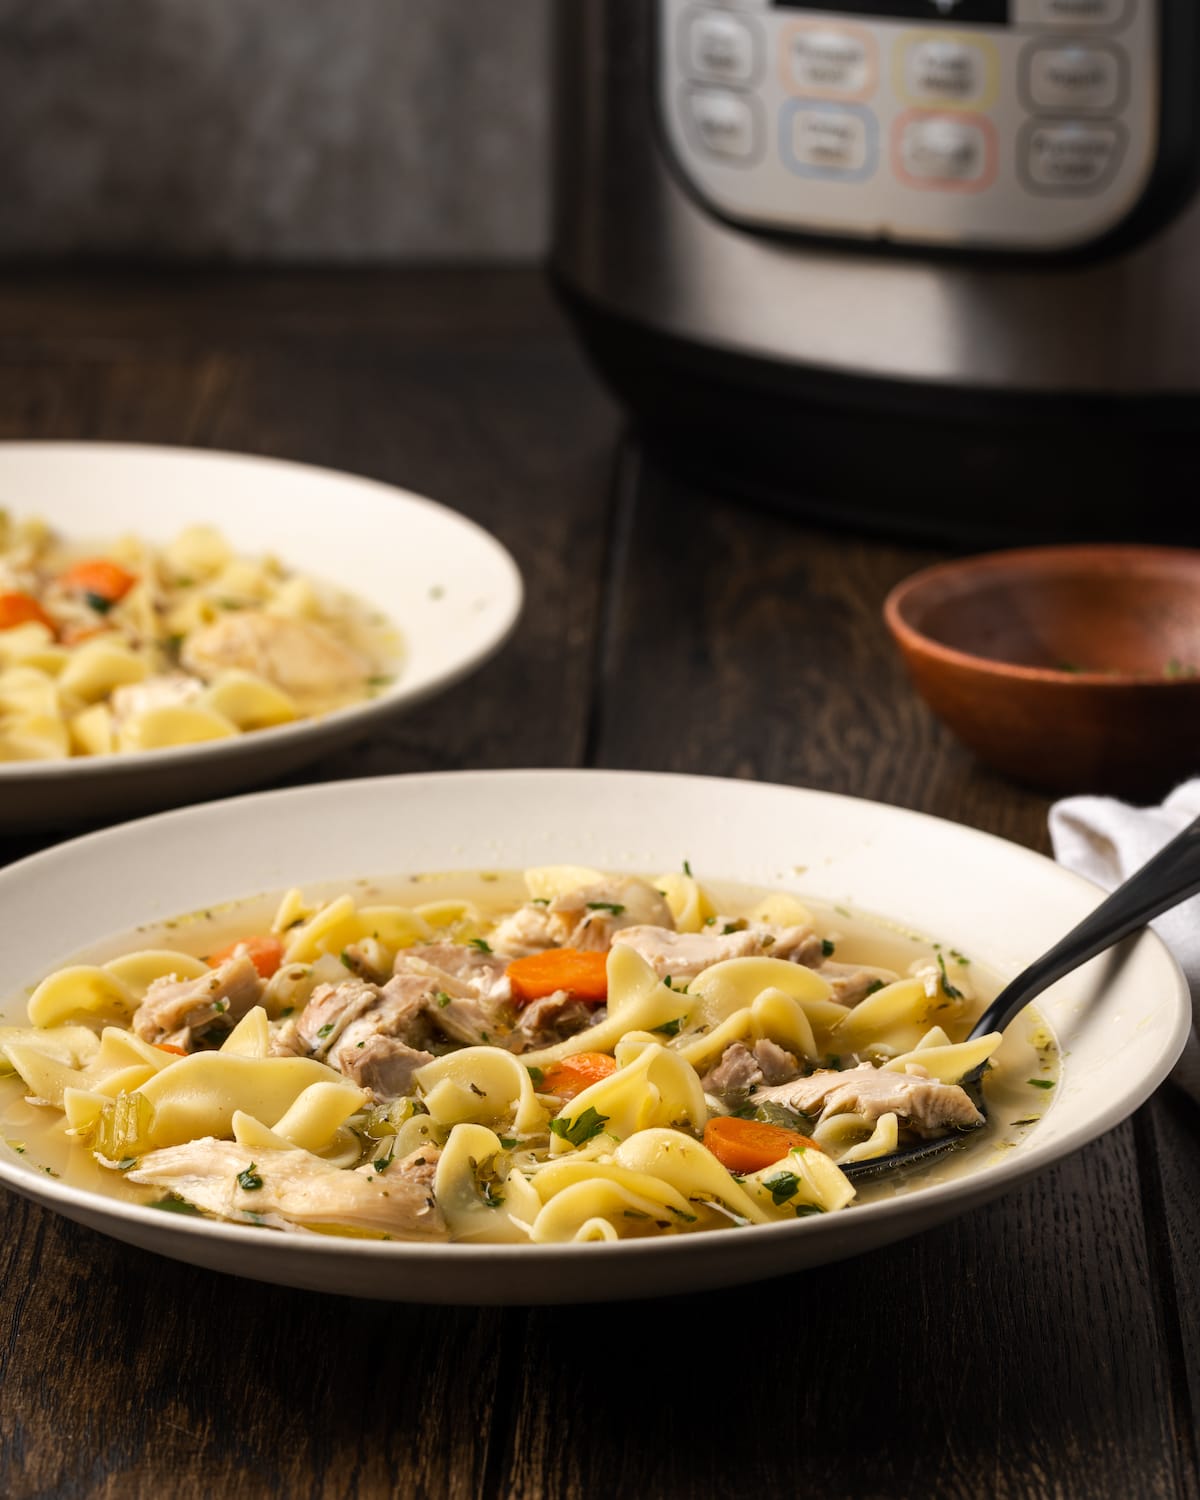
(1047, 1345)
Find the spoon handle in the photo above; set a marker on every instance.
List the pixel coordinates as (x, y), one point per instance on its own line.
(1169, 877)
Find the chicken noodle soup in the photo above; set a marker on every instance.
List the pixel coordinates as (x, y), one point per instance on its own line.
(559, 1055)
(132, 646)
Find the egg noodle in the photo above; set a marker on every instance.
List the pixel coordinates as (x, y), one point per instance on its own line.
(607, 1058)
(138, 647)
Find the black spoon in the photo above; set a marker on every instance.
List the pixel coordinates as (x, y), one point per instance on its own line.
(1170, 877)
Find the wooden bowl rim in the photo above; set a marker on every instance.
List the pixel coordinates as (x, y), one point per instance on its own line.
(1098, 558)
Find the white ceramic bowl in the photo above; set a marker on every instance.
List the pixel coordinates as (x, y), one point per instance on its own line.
(452, 590)
(1121, 1020)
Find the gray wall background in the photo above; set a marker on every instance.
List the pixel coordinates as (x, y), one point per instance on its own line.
(282, 130)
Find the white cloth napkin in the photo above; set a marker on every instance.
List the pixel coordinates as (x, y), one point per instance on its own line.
(1107, 841)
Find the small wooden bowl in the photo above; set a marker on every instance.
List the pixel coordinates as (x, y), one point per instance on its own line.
(1071, 669)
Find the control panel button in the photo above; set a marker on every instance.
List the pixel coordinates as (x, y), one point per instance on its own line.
(1070, 156)
(837, 141)
(723, 123)
(826, 60)
(1079, 14)
(945, 151)
(720, 47)
(1074, 76)
(945, 71)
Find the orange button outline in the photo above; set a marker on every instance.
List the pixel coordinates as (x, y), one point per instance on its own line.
(859, 33)
(940, 185)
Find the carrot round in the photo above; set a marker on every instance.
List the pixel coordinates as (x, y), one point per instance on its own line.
(100, 576)
(574, 1074)
(581, 973)
(263, 951)
(749, 1145)
(17, 608)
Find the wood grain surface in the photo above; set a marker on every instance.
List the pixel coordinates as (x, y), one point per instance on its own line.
(1047, 1345)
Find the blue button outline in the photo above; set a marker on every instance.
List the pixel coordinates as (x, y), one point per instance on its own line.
(787, 119)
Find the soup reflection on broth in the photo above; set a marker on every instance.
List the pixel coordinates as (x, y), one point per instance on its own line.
(554, 1055)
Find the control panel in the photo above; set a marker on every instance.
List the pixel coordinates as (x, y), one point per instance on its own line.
(1019, 125)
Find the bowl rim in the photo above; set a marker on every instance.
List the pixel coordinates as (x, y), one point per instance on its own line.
(1028, 561)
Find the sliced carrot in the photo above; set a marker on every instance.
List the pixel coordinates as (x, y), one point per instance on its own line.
(171, 1047)
(574, 1074)
(581, 973)
(748, 1145)
(17, 608)
(263, 951)
(100, 576)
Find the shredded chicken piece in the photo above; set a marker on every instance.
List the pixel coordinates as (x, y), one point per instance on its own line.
(185, 1012)
(927, 1104)
(298, 1188)
(296, 655)
(588, 918)
(552, 1019)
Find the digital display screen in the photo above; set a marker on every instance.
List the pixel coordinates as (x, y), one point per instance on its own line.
(984, 12)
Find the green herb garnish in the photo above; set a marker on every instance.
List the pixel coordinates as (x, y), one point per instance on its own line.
(827, 948)
(670, 1028)
(591, 1122)
(613, 906)
(1040, 1083)
(326, 1029)
(874, 986)
(175, 1206)
(781, 1187)
(537, 1076)
(687, 869)
(480, 944)
(249, 1179)
(947, 988)
(99, 603)
(442, 999)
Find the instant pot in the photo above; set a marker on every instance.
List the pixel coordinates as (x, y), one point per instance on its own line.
(932, 264)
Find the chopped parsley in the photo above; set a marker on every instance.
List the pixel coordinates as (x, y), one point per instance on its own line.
(874, 986)
(509, 1141)
(479, 943)
(540, 901)
(591, 1122)
(613, 906)
(346, 959)
(537, 1076)
(326, 1029)
(802, 1210)
(220, 1006)
(738, 926)
(249, 1179)
(687, 869)
(442, 999)
(670, 1028)
(175, 1206)
(827, 948)
(287, 1011)
(947, 988)
(490, 1196)
(1040, 1083)
(679, 1214)
(98, 602)
(1028, 1120)
(781, 1187)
